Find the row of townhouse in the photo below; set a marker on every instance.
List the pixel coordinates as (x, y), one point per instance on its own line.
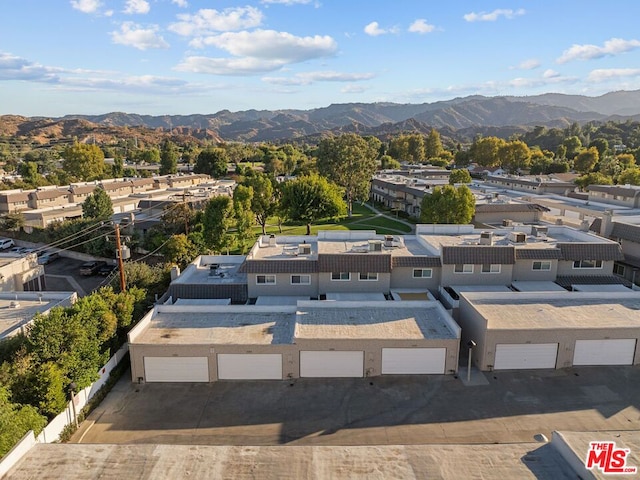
(622, 195)
(12, 201)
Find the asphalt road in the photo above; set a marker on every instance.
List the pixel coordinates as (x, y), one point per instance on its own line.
(70, 267)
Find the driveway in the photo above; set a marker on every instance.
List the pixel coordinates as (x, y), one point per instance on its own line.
(57, 275)
(511, 407)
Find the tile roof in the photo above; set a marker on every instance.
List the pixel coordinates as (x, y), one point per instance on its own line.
(49, 193)
(80, 189)
(616, 190)
(355, 262)
(279, 266)
(415, 261)
(538, 254)
(568, 280)
(626, 231)
(591, 251)
(15, 197)
(477, 254)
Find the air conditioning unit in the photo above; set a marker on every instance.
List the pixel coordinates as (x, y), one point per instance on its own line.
(517, 237)
(375, 246)
(538, 231)
(486, 238)
(388, 241)
(304, 249)
(507, 222)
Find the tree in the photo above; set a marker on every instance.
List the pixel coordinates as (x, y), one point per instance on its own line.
(484, 151)
(47, 389)
(29, 173)
(177, 218)
(399, 148)
(12, 221)
(308, 199)
(459, 176)
(117, 169)
(602, 145)
(243, 215)
(433, 144)
(593, 178)
(16, 420)
(216, 222)
(572, 146)
(387, 162)
(586, 160)
(263, 200)
(448, 204)
(148, 155)
(514, 156)
(350, 162)
(168, 158)
(84, 162)
(98, 205)
(626, 160)
(212, 161)
(416, 148)
(630, 176)
(179, 250)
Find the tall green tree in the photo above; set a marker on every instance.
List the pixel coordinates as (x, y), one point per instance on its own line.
(264, 201)
(433, 144)
(593, 178)
(484, 151)
(168, 158)
(217, 219)
(179, 249)
(16, 420)
(460, 175)
(514, 156)
(630, 176)
(243, 215)
(448, 204)
(311, 198)
(572, 146)
(98, 205)
(84, 162)
(212, 161)
(586, 160)
(416, 148)
(350, 162)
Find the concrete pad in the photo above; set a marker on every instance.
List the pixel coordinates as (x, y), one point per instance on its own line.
(476, 378)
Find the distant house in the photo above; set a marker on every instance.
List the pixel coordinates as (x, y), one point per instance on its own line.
(623, 195)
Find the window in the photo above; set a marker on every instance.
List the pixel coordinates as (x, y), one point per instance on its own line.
(266, 279)
(587, 264)
(340, 276)
(490, 268)
(300, 279)
(618, 269)
(368, 277)
(422, 273)
(463, 268)
(546, 265)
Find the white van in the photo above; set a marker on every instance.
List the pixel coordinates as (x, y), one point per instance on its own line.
(6, 243)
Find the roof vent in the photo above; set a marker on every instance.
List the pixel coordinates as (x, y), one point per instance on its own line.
(486, 238)
(539, 231)
(14, 304)
(375, 246)
(517, 237)
(507, 222)
(272, 240)
(304, 249)
(388, 241)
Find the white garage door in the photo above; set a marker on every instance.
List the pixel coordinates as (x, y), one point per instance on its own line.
(176, 369)
(331, 364)
(249, 366)
(618, 351)
(514, 356)
(408, 361)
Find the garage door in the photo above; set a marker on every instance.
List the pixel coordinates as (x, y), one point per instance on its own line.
(407, 361)
(331, 364)
(176, 369)
(513, 356)
(618, 351)
(249, 366)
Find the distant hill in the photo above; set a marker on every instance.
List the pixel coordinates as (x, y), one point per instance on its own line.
(466, 114)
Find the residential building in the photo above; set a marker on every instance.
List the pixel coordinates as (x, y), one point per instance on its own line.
(622, 195)
(17, 309)
(48, 197)
(12, 201)
(20, 273)
(531, 184)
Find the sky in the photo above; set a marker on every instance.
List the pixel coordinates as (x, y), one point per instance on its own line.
(159, 57)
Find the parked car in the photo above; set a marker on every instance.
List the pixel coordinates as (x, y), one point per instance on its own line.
(18, 250)
(106, 269)
(91, 268)
(45, 257)
(6, 243)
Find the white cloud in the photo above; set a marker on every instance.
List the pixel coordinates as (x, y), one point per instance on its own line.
(17, 68)
(528, 64)
(308, 78)
(421, 26)
(229, 66)
(207, 21)
(181, 3)
(493, 16)
(613, 46)
(286, 2)
(137, 7)
(550, 74)
(353, 89)
(269, 44)
(86, 6)
(604, 74)
(136, 36)
(374, 29)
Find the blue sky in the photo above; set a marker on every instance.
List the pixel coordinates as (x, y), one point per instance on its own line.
(159, 57)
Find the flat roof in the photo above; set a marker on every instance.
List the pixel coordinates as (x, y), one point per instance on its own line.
(601, 288)
(240, 324)
(19, 308)
(356, 297)
(279, 300)
(525, 461)
(538, 287)
(202, 301)
(283, 248)
(387, 320)
(557, 310)
(213, 269)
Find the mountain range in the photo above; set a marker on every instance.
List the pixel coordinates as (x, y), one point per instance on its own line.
(457, 118)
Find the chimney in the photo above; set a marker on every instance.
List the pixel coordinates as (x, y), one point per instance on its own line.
(272, 240)
(607, 224)
(584, 225)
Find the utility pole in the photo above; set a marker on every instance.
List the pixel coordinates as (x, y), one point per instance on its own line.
(186, 217)
(123, 286)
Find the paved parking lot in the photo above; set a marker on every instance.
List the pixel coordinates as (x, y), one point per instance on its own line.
(69, 267)
(512, 407)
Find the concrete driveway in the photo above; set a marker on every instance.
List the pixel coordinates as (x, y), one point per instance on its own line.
(512, 407)
(61, 274)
